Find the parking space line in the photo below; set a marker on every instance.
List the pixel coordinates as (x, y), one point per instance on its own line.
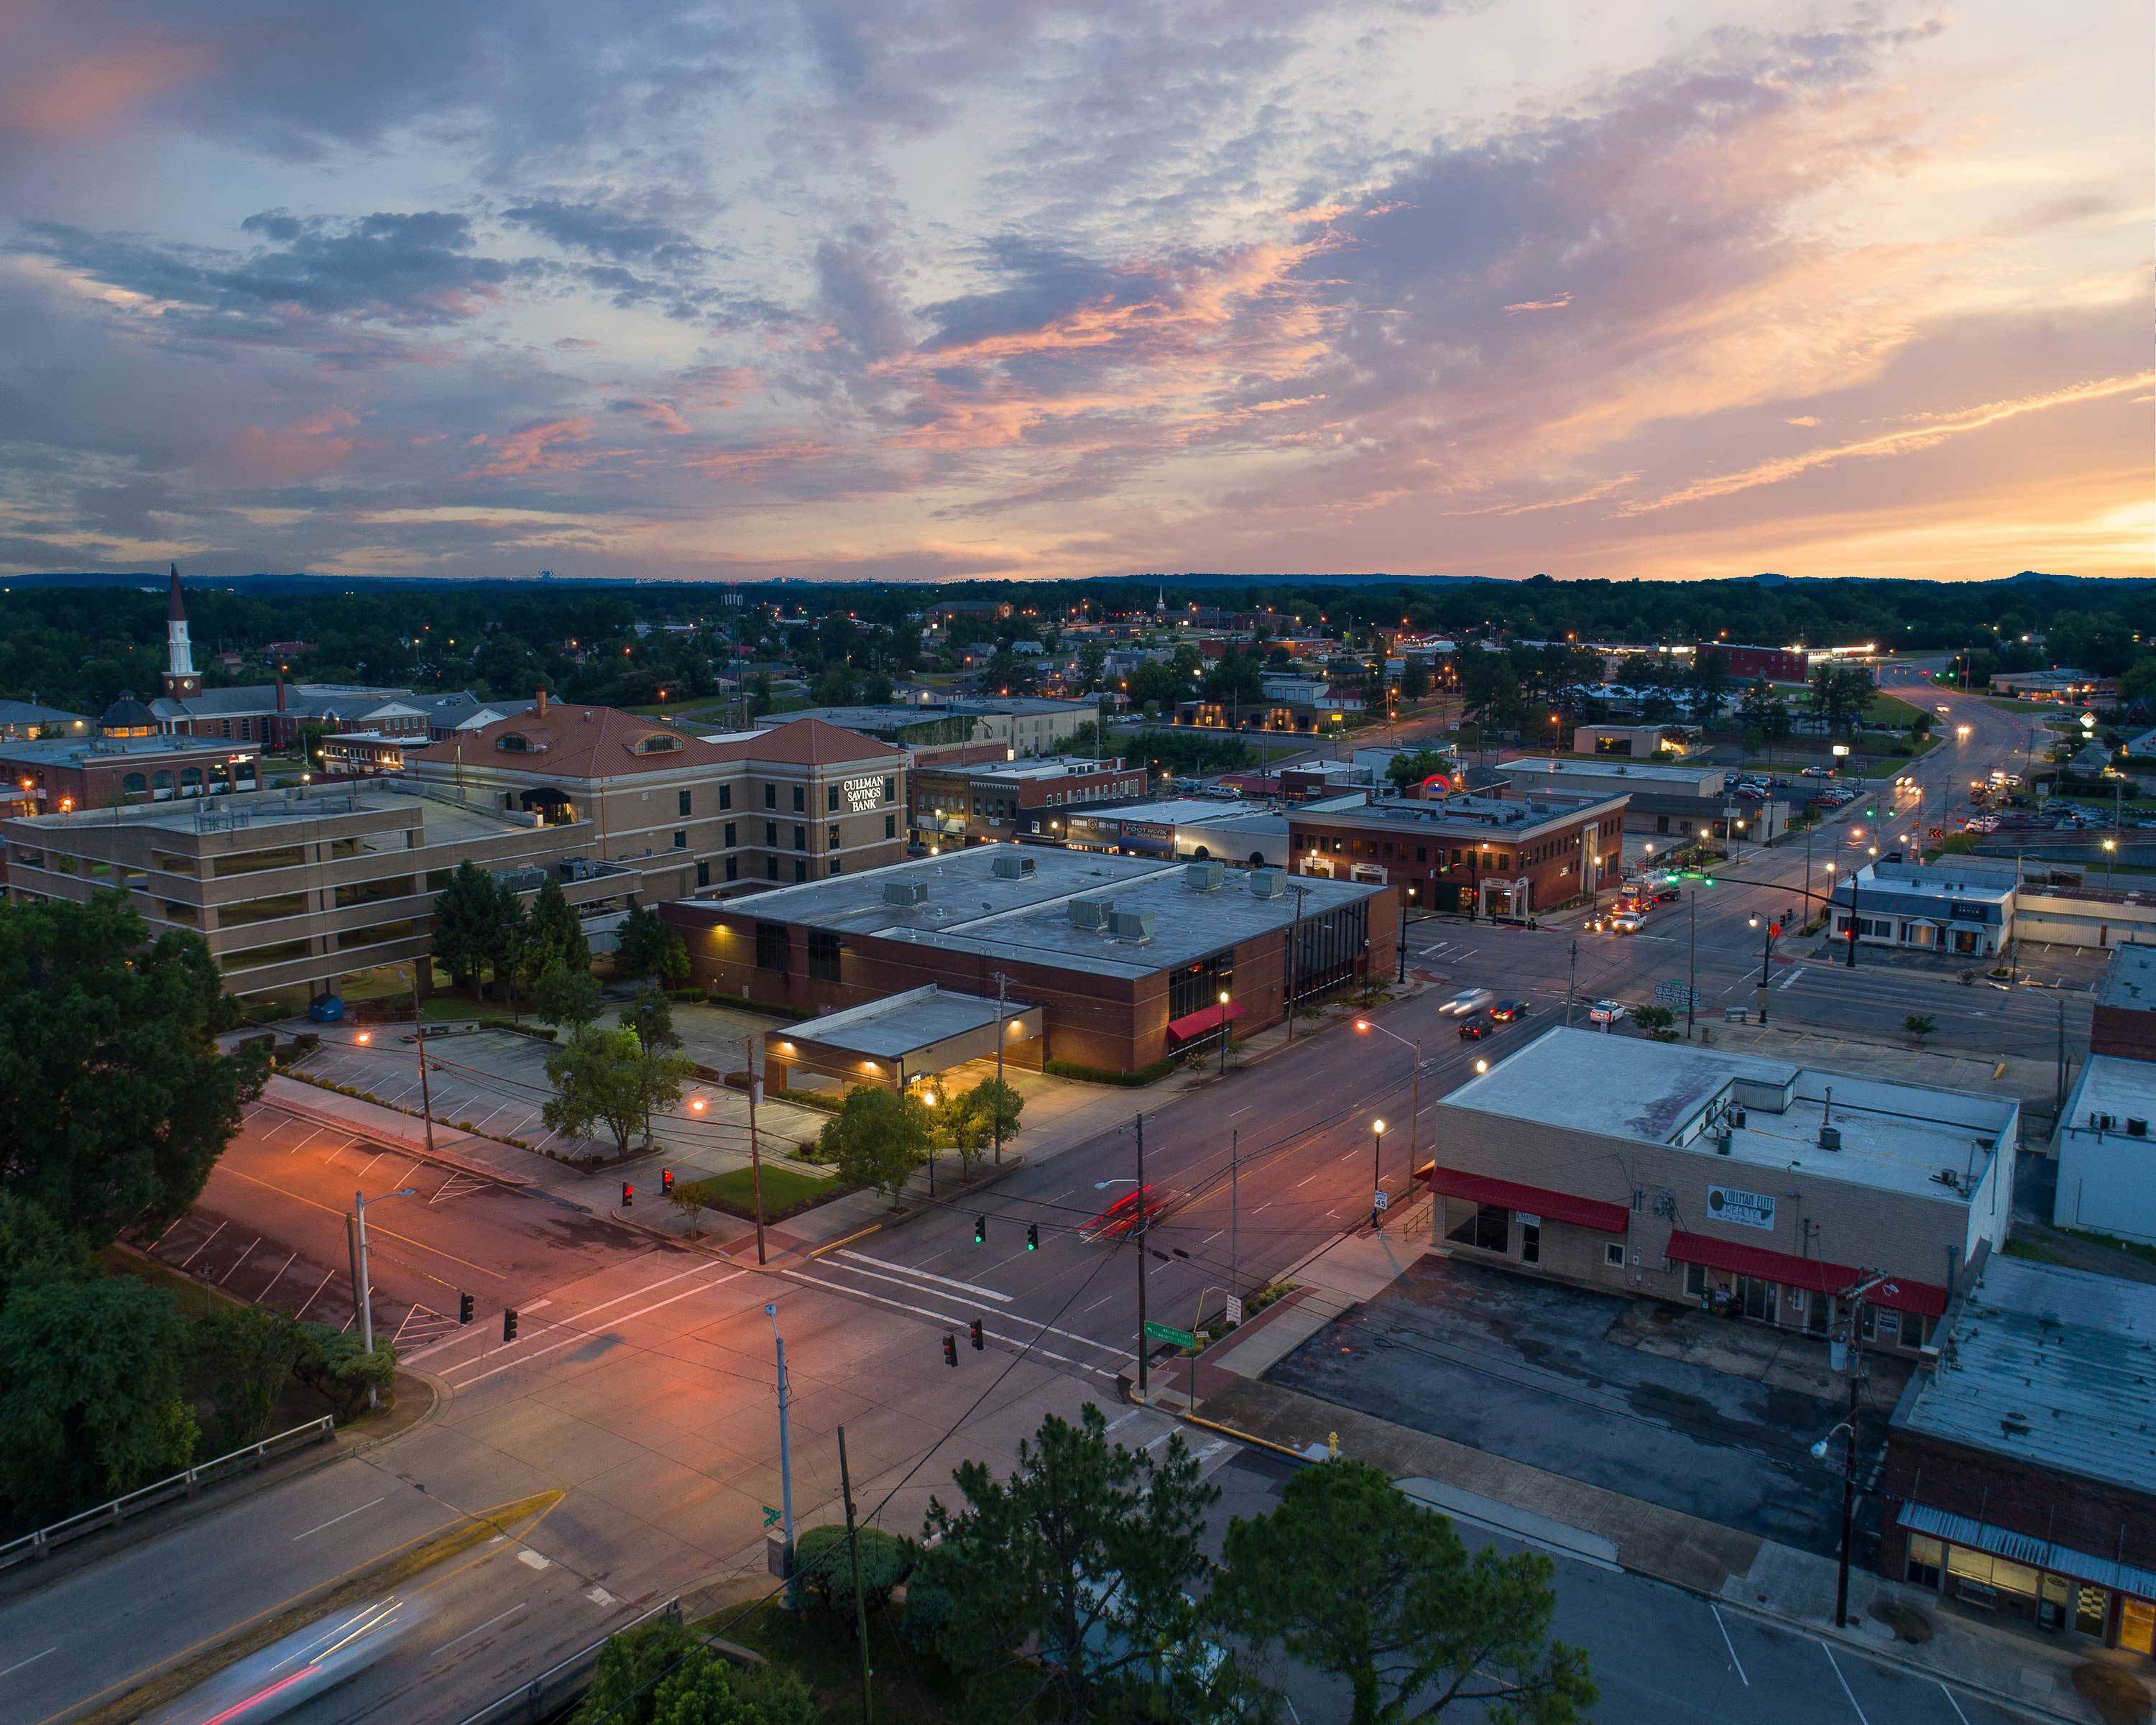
(240, 1259)
(262, 1298)
(311, 1298)
(1844, 1681)
(196, 1252)
(1732, 1647)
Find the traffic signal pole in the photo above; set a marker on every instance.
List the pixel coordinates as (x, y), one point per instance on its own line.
(1144, 1347)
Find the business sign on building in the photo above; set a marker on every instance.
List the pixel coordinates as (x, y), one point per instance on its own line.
(1747, 1210)
(862, 795)
(1148, 838)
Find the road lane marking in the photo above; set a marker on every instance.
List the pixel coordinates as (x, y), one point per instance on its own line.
(941, 1317)
(488, 1624)
(589, 1311)
(948, 1281)
(1844, 1681)
(1793, 976)
(581, 1335)
(334, 1520)
(11, 1671)
(1732, 1647)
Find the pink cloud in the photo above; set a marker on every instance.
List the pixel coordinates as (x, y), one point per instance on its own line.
(96, 94)
(537, 449)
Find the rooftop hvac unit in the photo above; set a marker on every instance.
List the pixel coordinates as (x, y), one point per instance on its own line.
(905, 892)
(1131, 925)
(1010, 867)
(1829, 1138)
(1206, 876)
(1091, 912)
(1268, 883)
(2135, 1128)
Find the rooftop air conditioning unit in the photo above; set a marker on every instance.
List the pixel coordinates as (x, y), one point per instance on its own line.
(1206, 876)
(1010, 866)
(1091, 912)
(2135, 1128)
(1829, 1138)
(1131, 925)
(905, 892)
(1268, 883)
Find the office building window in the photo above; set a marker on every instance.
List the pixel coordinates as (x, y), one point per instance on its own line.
(800, 836)
(831, 798)
(771, 947)
(1613, 1254)
(726, 796)
(703, 874)
(771, 867)
(733, 868)
(1487, 1229)
(680, 837)
(800, 868)
(824, 954)
(770, 796)
(891, 826)
(770, 833)
(730, 835)
(838, 865)
(831, 838)
(890, 790)
(680, 803)
(800, 798)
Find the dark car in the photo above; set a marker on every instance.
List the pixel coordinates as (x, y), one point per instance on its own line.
(1505, 1011)
(1474, 1027)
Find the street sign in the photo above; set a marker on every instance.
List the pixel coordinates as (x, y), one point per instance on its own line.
(770, 1515)
(1234, 1309)
(1379, 1201)
(1673, 994)
(1169, 1332)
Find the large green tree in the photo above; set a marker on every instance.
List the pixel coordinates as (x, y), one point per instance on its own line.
(650, 949)
(608, 1078)
(1347, 1575)
(115, 1098)
(562, 996)
(877, 1139)
(1070, 1579)
(552, 931)
(471, 933)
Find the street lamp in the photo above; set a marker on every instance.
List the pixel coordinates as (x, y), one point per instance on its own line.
(1414, 1096)
(362, 1288)
(1224, 1033)
(785, 1448)
(2109, 846)
(1377, 1186)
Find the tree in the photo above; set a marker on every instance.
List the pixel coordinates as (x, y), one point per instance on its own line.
(1153, 685)
(649, 948)
(969, 1120)
(1415, 680)
(1346, 1575)
(1092, 665)
(244, 1355)
(1416, 766)
(759, 699)
(553, 931)
(91, 1403)
(562, 996)
(1082, 1557)
(1919, 1025)
(1710, 687)
(470, 926)
(651, 1016)
(608, 1078)
(877, 1139)
(826, 1567)
(1235, 682)
(116, 1098)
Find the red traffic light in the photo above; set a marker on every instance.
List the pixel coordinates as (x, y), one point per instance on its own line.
(665, 1179)
(980, 1336)
(950, 1350)
(627, 1194)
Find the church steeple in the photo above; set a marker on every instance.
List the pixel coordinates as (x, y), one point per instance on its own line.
(179, 682)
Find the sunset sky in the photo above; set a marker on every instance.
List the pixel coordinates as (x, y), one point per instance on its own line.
(905, 290)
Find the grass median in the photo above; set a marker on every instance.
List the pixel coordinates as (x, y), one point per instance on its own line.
(785, 1193)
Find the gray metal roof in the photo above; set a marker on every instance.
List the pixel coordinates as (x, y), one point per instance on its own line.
(2129, 981)
(2054, 1367)
(896, 1025)
(30, 712)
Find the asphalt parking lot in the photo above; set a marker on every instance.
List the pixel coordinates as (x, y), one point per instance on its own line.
(1551, 1376)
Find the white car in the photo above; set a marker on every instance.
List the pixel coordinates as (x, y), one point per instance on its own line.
(1606, 1012)
(1628, 922)
(1816, 773)
(1468, 1001)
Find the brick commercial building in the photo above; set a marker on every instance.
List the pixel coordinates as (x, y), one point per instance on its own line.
(1662, 798)
(1126, 958)
(689, 813)
(1747, 664)
(2124, 1021)
(1691, 1174)
(295, 890)
(1470, 855)
(1002, 799)
(2020, 1481)
(91, 772)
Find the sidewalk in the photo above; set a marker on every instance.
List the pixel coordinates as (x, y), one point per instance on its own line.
(1586, 1522)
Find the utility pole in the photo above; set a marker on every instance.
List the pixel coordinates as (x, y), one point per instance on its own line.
(1691, 988)
(1140, 1233)
(860, 1604)
(1571, 984)
(362, 1290)
(2061, 1101)
(755, 1154)
(999, 1068)
(1294, 957)
(426, 1098)
(1235, 1219)
(1851, 963)
(785, 1449)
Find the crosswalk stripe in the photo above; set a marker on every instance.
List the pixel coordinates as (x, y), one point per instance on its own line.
(923, 1275)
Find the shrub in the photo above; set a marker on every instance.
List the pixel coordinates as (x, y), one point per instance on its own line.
(686, 996)
(1098, 1074)
(334, 1365)
(824, 1571)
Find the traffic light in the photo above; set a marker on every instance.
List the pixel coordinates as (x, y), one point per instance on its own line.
(627, 1194)
(665, 1181)
(1871, 812)
(980, 1230)
(1033, 1236)
(950, 1350)
(464, 1308)
(508, 1324)
(980, 1336)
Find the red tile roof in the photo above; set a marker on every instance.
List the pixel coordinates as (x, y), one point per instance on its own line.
(567, 740)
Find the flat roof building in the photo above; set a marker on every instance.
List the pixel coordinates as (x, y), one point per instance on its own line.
(1468, 854)
(1699, 1174)
(1665, 798)
(1935, 907)
(1126, 958)
(80, 774)
(996, 800)
(2021, 1473)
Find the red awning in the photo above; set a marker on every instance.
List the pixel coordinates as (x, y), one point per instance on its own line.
(1899, 1294)
(1550, 1206)
(1209, 1017)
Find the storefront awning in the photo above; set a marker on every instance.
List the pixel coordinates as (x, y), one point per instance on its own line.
(1210, 1018)
(2027, 1549)
(1898, 1294)
(1550, 1206)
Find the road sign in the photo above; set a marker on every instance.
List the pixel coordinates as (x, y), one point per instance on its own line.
(770, 1515)
(1379, 1201)
(1234, 1309)
(1673, 994)
(1169, 1332)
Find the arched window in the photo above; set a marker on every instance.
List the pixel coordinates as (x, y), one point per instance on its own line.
(657, 742)
(162, 781)
(191, 779)
(513, 742)
(134, 784)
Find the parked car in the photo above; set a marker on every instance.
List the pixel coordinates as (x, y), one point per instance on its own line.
(1505, 1011)
(1468, 1001)
(1606, 1012)
(1816, 773)
(1474, 1027)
